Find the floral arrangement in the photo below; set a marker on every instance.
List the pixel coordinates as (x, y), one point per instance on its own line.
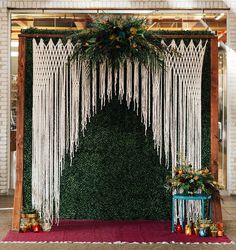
(115, 40)
(189, 181)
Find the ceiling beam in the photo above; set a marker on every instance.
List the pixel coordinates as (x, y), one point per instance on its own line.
(22, 24)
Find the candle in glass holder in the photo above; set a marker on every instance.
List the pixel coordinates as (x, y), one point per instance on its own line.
(36, 228)
(220, 233)
(178, 227)
(188, 230)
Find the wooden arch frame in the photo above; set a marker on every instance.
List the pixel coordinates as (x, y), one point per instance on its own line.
(18, 197)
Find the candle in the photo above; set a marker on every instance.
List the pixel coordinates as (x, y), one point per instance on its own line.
(178, 228)
(188, 230)
(220, 233)
(35, 228)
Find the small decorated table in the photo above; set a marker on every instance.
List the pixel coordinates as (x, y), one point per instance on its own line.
(195, 197)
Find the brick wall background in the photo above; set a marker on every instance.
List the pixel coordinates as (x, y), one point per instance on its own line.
(4, 98)
(231, 101)
(116, 4)
(5, 5)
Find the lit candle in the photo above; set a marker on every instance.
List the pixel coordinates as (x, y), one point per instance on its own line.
(36, 228)
(178, 228)
(188, 230)
(220, 233)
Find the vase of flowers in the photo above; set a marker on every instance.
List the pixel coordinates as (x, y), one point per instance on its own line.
(188, 181)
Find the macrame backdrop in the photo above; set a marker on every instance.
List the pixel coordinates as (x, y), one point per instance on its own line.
(66, 95)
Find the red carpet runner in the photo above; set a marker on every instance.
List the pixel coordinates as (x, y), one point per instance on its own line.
(111, 231)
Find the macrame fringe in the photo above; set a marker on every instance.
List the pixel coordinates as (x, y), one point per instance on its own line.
(65, 97)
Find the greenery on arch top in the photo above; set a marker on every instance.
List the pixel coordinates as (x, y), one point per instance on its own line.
(115, 40)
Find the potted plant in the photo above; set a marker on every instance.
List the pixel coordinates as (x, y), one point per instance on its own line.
(205, 223)
(29, 213)
(214, 230)
(204, 227)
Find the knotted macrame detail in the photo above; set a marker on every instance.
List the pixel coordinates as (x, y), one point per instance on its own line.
(67, 94)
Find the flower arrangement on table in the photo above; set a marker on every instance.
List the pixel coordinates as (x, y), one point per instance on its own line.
(188, 181)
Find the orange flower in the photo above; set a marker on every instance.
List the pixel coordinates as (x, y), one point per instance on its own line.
(133, 30)
(206, 171)
(181, 172)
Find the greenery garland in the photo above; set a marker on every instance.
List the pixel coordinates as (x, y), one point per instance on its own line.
(115, 40)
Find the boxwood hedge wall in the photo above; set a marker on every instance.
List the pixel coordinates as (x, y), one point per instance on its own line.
(116, 173)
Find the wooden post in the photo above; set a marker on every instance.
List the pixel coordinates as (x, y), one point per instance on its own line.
(18, 197)
(216, 208)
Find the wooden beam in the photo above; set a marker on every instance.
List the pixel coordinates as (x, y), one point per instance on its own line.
(214, 108)
(18, 196)
(42, 35)
(131, 9)
(161, 35)
(216, 208)
(22, 24)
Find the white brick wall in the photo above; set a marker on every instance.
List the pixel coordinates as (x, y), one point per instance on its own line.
(4, 99)
(4, 61)
(231, 101)
(116, 4)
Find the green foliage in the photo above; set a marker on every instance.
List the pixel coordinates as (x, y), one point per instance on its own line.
(213, 227)
(27, 209)
(116, 173)
(28, 125)
(116, 40)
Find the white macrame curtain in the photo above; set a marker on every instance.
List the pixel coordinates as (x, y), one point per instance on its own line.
(65, 97)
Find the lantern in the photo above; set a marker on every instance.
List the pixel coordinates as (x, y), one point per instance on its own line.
(35, 227)
(188, 230)
(178, 227)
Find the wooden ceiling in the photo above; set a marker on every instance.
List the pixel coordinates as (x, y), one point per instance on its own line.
(173, 21)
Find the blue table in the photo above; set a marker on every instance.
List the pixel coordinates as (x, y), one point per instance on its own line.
(201, 197)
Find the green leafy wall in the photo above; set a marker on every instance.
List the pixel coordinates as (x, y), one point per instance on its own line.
(116, 173)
